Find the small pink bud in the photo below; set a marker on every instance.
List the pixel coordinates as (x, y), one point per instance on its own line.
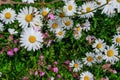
(26, 78)
(114, 71)
(45, 35)
(41, 57)
(49, 67)
(15, 41)
(15, 49)
(67, 62)
(58, 76)
(10, 53)
(42, 73)
(51, 16)
(36, 73)
(55, 69)
(55, 62)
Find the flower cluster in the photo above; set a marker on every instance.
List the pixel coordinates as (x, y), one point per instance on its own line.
(59, 24)
(101, 52)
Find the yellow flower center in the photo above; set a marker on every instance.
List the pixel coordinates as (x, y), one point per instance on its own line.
(76, 65)
(88, 9)
(89, 59)
(99, 45)
(78, 29)
(118, 1)
(118, 40)
(8, 15)
(62, 15)
(86, 78)
(44, 13)
(54, 25)
(110, 53)
(29, 17)
(67, 23)
(70, 7)
(99, 57)
(32, 39)
(60, 32)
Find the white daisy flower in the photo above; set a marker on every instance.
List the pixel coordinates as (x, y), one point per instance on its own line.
(54, 24)
(28, 1)
(85, 10)
(99, 57)
(60, 33)
(99, 45)
(60, 14)
(78, 28)
(77, 35)
(90, 59)
(31, 39)
(12, 31)
(86, 25)
(77, 65)
(70, 8)
(118, 30)
(45, 11)
(29, 17)
(116, 4)
(8, 15)
(77, 32)
(109, 10)
(111, 54)
(116, 39)
(60, 17)
(86, 76)
(68, 23)
(1, 27)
